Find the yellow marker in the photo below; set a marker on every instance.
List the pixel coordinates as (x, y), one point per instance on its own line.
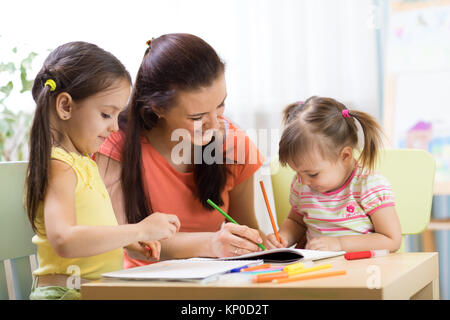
(293, 267)
(305, 270)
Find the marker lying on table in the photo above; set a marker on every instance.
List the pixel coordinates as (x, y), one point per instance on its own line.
(294, 267)
(365, 254)
(254, 268)
(215, 206)
(311, 276)
(265, 271)
(268, 277)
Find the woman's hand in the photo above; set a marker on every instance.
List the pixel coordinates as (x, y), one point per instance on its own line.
(235, 240)
(158, 226)
(272, 242)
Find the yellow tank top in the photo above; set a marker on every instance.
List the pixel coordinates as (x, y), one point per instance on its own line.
(93, 208)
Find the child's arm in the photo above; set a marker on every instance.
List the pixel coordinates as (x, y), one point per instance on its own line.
(291, 231)
(387, 235)
(70, 240)
(110, 171)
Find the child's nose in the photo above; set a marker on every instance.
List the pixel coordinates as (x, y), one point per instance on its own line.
(306, 181)
(114, 127)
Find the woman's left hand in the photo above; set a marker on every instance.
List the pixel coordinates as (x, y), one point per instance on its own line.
(324, 243)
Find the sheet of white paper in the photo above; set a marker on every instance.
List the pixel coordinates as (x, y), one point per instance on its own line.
(183, 269)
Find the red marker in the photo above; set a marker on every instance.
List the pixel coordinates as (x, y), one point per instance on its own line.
(365, 254)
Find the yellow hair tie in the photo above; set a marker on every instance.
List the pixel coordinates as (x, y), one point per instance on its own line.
(51, 83)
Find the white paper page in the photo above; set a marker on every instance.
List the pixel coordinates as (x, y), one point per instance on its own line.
(183, 269)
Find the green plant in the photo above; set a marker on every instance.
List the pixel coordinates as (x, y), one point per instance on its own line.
(14, 126)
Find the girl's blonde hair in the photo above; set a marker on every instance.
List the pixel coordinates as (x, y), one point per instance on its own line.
(327, 126)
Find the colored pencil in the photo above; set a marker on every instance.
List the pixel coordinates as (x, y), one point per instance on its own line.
(261, 183)
(215, 206)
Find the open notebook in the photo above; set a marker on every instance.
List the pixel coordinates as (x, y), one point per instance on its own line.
(181, 270)
(286, 255)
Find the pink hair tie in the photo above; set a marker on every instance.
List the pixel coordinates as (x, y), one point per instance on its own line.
(346, 113)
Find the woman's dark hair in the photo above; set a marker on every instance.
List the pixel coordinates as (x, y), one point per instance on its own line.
(172, 63)
(319, 124)
(80, 69)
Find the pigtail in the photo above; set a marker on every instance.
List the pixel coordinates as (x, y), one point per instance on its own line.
(39, 156)
(373, 142)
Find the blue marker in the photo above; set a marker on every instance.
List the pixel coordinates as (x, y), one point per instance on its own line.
(238, 269)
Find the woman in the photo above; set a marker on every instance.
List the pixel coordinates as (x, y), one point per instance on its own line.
(175, 150)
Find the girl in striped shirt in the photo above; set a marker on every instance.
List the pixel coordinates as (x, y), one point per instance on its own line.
(338, 202)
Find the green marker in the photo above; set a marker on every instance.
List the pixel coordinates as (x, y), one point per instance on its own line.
(215, 206)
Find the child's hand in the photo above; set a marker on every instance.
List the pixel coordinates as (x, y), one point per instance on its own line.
(159, 226)
(324, 243)
(272, 242)
(152, 249)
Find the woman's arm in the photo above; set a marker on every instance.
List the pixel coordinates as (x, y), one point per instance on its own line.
(387, 235)
(181, 245)
(242, 209)
(110, 171)
(231, 240)
(242, 206)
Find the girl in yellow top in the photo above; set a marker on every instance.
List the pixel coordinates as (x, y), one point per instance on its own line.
(79, 93)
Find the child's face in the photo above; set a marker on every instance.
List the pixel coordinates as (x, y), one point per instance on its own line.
(324, 175)
(94, 118)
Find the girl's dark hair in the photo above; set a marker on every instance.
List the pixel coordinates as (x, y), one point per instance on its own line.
(172, 63)
(81, 69)
(319, 125)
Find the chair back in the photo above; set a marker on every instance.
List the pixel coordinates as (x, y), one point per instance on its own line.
(17, 253)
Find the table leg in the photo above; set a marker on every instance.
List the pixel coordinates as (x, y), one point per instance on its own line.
(429, 292)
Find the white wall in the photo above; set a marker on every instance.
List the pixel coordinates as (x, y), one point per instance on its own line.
(276, 52)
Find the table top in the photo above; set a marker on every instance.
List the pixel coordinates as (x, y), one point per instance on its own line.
(395, 276)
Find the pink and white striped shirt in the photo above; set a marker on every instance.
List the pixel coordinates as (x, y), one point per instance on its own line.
(345, 211)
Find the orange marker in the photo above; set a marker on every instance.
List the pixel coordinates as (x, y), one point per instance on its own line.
(268, 277)
(261, 266)
(286, 273)
(311, 276)
(261, 183)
